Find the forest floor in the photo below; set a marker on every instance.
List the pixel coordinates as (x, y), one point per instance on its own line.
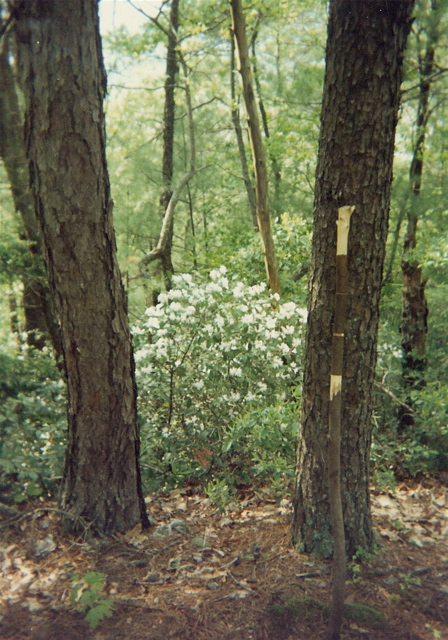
(203, 575)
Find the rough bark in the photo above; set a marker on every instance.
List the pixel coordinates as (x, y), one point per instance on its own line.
(61, 70)
(364, 55)
(40, 319)
(256, 142)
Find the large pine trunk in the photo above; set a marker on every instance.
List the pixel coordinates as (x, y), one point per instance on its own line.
(61, 71)
(364, 54)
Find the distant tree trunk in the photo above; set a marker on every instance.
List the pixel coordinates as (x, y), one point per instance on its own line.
(258, 154)
(172, 68)
(40, 319)
(275, 164)
(414, 325)
(61, 71)
(235, 112)
(165, 237)
(364, 55)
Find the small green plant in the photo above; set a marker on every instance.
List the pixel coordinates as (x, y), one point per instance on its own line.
(86, 595)
(408, 581)
(435, 632)
(362, 555)
(218, 494)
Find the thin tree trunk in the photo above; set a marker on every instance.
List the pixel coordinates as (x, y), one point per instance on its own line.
(235, 113)
(334, 415)
(61, 69)
(165, 245)
(365, 48)
(414, 325)
(40, 318)
(191, 227)
(275, 165)
(258, 154)
(165, 237)
(172, 68)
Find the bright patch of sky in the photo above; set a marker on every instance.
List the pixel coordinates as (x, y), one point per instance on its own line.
(117, 13)
(114, 14)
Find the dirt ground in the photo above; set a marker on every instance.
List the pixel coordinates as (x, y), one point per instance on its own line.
(203, 575)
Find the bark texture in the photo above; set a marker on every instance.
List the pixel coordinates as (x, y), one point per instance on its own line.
(61, 70)
(365, 48)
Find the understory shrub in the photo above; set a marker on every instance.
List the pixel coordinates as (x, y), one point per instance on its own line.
(218, 367)
(33, 423)
(422, 447)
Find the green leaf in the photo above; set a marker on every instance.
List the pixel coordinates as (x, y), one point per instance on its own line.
(103, 609)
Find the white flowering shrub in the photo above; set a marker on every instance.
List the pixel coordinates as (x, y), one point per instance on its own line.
(209, 356)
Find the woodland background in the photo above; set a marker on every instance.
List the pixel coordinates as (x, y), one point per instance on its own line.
(229, 431)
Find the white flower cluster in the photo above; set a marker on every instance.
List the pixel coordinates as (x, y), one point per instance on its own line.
(211, 347)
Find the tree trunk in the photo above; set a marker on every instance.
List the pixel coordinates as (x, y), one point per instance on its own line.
(61, 70)
(256, 141)
(364, 54)
(40, 318)
(235, 112)
(169, 113)
(414, 313)
(334, 423)
(275, 164)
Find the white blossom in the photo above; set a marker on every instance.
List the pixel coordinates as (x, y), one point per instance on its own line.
(238, 290)
(219, 321)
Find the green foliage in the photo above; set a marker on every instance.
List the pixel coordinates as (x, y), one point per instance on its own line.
(421, 449)
(217, 370)
(86, 595)
(218, 493)
(363, 555)
(32, 423)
